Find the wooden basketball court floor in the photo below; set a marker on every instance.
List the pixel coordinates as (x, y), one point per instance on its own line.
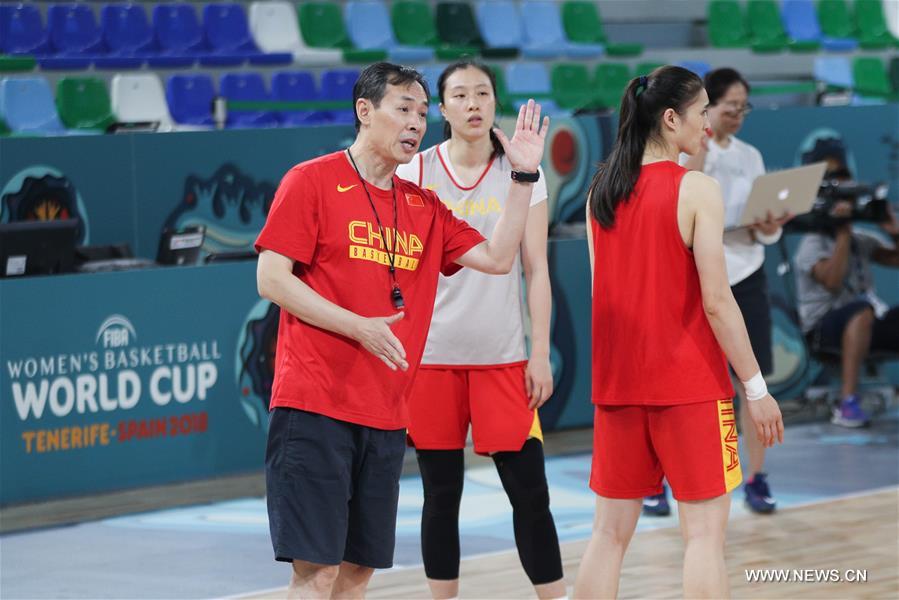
(838, 492)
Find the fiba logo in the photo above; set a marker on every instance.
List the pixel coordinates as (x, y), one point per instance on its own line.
(116, 332)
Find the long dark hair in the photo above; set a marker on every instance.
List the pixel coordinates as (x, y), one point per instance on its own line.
(441, 85)
(644, 101)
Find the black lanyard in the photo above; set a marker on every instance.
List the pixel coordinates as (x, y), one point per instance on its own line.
(396, 296)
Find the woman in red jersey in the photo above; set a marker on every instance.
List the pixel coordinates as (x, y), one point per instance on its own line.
(665, 323)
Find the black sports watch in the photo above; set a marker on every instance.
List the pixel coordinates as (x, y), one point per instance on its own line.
(523, 177)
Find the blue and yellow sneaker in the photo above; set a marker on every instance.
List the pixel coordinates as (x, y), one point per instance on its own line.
(758, 495)
(657, 506)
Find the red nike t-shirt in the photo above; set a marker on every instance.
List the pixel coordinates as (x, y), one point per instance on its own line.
(322, 220)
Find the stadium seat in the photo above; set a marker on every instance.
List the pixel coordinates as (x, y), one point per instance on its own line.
(870, 78)
(22, 30)
(190, 99)
(413, 25)
(456, 26)
(894, 73)
(127, 32)
(583, 24)
(697, 66)
(609, 82)
(506, 105)
(179, 34)
(275, 28)
(872, 27)
(246, 87)
(75, 38)
(321, 24)
(16, 64)
(766, 30)
(531, 80)
(83, 103)
(368, 26)
(835, 20)
(499, 24)
(27, 106)
(571, 86)
(228, 33)
(727, 26)
(139, 98)
(337, 85)
(545, 35)
(801, 25)
(297, 86)
(835, 71)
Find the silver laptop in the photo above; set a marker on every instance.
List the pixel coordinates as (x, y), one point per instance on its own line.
(780, 192)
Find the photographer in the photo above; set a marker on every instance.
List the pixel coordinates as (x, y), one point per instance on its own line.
(838, 308)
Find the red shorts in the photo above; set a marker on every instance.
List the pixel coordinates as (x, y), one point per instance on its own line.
(693, 445)
(443, 402)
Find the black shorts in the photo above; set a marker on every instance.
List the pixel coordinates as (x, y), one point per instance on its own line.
(751, 295)
(332, 489)
(827, 334)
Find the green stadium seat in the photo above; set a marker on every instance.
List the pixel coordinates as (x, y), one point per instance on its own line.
(4, 128)
(645, 68)
(870, 77)
(727, 26)
(83, 103)
(872, 26)
(766, 29)
(894, 73)
(835, 20)
(322, 26)
(571, 85)
(18, 63)
(413, 25)
(609, 81)
(506, 104)
(583, 25)
(457, 26)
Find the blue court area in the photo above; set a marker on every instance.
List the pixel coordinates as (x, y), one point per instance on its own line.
(223, 549)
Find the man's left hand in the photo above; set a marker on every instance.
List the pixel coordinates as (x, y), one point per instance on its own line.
(771, 224)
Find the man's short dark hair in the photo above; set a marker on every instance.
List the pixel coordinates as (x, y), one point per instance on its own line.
(373, 81)
(717, 83)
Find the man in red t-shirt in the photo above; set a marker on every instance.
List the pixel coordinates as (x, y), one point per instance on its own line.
(352, 254)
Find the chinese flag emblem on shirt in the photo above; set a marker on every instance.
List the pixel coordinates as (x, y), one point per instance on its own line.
(414, 200)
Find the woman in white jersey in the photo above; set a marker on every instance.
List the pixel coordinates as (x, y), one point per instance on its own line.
(736, 164)
(475, 369)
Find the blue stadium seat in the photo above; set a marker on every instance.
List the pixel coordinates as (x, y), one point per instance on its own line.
(228, 33)
(190, 99)
(525, 79)
(246, 87)
(127, 32)
(801, 24)
(545, 36)
(834, 70)
(27, 106)
(297, 86)
(697, 66)
(179, 34)
(74, 37)
(368, 26)
(500, 24)
(431, 73)
(22, 30)
(337, 85)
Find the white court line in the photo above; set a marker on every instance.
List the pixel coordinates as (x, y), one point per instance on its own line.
(838, 498)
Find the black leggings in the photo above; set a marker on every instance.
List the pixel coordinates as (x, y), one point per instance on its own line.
(523, 477)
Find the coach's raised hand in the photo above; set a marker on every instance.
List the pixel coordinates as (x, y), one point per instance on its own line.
(525, 150)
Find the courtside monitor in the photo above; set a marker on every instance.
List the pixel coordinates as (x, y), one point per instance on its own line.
(37, 247)
(181, 247)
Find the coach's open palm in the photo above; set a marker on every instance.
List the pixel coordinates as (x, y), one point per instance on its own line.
(769, 425)
(525, 149)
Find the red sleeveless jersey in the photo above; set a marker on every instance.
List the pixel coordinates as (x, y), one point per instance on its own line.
(652, 342)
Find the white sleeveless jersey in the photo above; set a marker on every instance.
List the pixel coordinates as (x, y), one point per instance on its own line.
(478, 318)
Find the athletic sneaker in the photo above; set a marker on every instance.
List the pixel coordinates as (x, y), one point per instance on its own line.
(849, 413)
(758, 495)
(657, 506)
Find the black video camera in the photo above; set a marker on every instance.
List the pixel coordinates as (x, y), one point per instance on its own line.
(869, 203)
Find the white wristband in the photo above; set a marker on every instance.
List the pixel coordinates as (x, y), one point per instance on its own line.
(755, 388)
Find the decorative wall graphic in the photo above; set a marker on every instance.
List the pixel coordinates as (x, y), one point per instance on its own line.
(255, 361)
(43, 193)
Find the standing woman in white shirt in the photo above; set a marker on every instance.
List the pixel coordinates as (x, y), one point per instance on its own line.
(736, 164)
(476, 370)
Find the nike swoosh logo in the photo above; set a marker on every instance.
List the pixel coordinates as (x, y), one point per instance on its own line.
(342, 189)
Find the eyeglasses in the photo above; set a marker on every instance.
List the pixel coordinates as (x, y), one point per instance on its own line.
(734, 109)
